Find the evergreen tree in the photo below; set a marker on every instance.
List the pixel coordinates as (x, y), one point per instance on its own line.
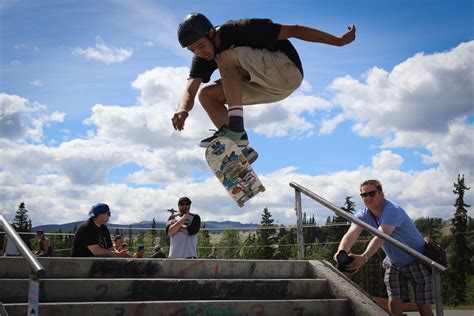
(267, 238)
(141, 237)
(341, 225)
(229, 245)
(249, 248)
(153, 231)
(130, 236)
(459, 259)
(204, 243)
(309, 229)
(429, 226)
(286, 247)
(22, 224)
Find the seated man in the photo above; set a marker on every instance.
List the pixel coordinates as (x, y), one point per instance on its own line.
(158, 252)
(92, 237)
(45, 247)
(140, 252)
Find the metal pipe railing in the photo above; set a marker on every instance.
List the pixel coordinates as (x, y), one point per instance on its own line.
(436, 268)
(36, 268)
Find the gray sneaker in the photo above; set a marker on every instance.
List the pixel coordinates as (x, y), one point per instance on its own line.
(239, 138)
(250, 154)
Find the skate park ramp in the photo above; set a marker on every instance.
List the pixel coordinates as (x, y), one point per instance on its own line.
(116, 286)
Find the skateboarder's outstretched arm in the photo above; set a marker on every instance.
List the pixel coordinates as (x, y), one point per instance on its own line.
(186, 103)
(313, 35)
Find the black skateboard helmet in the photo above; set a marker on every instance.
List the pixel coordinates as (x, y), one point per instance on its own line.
(193, 27)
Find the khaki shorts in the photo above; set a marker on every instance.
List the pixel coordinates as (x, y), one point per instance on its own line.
(273, 76)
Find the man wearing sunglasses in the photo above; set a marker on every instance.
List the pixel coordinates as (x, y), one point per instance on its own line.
(400, 268)
(182, 230)
(92, 238)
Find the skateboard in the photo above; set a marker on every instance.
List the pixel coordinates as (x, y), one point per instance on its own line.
(233, 170)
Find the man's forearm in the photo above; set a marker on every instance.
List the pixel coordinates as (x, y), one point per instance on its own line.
(373, 247)
(186, 104)
(309, 34)
(174, 228)
(346, 243)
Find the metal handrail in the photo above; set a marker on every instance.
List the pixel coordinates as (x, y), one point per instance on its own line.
(436, 268)
(36, 268)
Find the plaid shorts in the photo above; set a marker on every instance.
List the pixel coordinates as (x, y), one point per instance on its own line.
(396, 279)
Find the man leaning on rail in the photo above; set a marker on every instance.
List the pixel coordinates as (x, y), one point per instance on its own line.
(400, 267)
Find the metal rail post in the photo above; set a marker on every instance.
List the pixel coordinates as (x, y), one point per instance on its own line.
(299, 225)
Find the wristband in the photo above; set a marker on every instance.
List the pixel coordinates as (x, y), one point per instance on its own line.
(365, 258)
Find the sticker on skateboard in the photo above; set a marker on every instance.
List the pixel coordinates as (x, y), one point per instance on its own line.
(233, 170)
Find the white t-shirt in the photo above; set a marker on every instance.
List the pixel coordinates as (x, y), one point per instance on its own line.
(183, 245)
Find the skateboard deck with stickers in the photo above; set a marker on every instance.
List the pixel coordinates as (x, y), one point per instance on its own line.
(233, 170)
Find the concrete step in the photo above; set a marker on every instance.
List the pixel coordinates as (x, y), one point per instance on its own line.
(16, 267)
(72, 290)
(327, 307)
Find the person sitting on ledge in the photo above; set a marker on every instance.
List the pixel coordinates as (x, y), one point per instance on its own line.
(92, 238)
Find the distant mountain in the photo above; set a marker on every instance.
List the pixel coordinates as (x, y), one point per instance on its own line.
(212, 226)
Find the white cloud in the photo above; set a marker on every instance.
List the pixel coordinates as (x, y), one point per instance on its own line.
(425, 102)
(425, 93)
(329, 125)
(58, 197)
(289, 117)
(104, 53)
(21, 120)
(60, 183)
(386, 160)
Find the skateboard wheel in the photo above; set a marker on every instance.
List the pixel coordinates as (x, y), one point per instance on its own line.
(240, 204)
(261, 188)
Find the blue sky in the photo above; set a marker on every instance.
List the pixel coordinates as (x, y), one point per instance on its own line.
(87, 91)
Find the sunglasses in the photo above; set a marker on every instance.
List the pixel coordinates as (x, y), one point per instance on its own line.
(184, 203)
(366, 194)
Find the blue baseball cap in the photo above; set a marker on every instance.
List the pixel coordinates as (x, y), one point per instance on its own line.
(99, 208)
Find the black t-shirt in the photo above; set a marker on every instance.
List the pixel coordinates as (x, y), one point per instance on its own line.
(158, 255)
(89, 234)
(255, 33)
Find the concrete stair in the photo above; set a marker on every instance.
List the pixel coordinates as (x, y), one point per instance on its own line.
(113, 286)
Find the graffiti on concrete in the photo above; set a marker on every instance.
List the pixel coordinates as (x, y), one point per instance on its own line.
(204, 310)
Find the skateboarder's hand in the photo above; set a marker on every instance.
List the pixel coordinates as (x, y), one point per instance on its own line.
(178, 120)
(349, 36)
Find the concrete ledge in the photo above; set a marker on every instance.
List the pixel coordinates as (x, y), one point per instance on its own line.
(334, 307)
(342, 287)
(95, 290)
(16, 267)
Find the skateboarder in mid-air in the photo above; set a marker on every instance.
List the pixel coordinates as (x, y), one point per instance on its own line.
(257, 63)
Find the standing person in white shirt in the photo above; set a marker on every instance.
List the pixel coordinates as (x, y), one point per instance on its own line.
(182, 230)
